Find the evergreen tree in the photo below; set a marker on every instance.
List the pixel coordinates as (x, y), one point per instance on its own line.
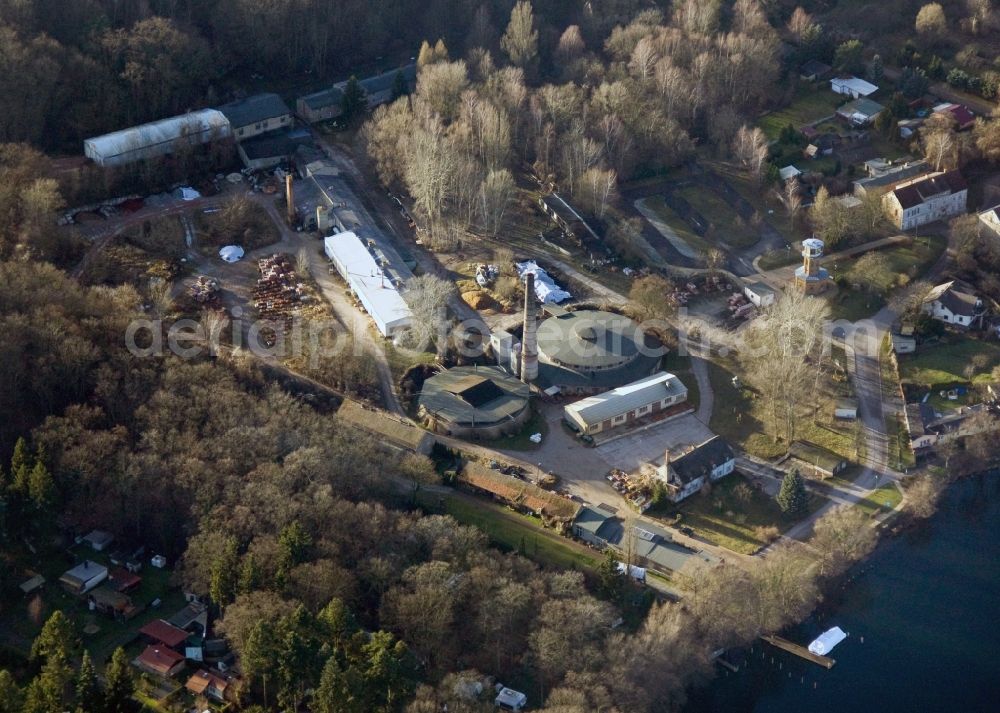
(294, 543)
(57, 638)
(41, 486)
(337, 621)
(876, 70)
(250, 575)
(225, 574)
(119, 684)
(353, 101)
(388, 676)
(400, 87)
(793, 498)
(49, 691)
(296, 657)
(11, 698)
(88, 691)
(334, 694)
(612, 580)
(20, 466)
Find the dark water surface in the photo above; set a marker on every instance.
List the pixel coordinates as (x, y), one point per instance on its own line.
(927, 605)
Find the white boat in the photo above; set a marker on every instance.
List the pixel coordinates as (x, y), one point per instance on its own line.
(824, 643)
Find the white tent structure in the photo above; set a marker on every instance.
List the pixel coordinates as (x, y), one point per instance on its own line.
(378, 295)
(231, 253)
(546, 290)
(157, 138)
(824, 643)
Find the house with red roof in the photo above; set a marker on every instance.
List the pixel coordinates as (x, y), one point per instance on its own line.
(160, 632)
(160, 661)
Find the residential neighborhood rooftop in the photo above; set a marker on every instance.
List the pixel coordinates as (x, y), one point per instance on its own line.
(919, 190)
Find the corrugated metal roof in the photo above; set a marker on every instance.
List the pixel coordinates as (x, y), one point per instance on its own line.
(254, 109)
(378, 295)
(594, 409)
(157, 137)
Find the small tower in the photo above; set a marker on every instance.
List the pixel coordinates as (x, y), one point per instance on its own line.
(529, 336)
(811, 278)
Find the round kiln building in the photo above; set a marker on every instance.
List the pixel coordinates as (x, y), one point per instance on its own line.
(588, 351)
(474, 402)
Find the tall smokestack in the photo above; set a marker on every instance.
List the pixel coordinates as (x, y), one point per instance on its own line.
(290, 199)
(529, 336)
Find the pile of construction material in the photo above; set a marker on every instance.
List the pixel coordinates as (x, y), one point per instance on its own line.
(205, 289)
(739, 306)
(278, 292)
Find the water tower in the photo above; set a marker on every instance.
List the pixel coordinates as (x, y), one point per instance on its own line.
(811, 278)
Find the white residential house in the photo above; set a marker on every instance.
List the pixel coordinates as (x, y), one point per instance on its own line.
(687, 474)
(953, 306)
(926, 199)
(852, 87)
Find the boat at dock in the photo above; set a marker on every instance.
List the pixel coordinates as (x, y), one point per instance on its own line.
(824, 643)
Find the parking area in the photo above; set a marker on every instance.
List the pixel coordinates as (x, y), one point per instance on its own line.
(583, 470)
(633, 450)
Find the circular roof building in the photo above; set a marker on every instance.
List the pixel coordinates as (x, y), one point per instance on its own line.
(592, 350)
(474, 402)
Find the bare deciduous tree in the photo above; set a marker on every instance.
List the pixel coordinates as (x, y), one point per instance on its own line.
(799, 22)
(495, 194)
(750, 147)
(842, 536)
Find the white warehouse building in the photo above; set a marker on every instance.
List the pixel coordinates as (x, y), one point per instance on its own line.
(379, 296)
(157, 138)
(625, 404)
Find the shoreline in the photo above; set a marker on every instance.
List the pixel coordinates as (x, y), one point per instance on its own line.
(836, 591)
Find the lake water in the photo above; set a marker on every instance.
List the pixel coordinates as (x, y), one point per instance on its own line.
(923, 618)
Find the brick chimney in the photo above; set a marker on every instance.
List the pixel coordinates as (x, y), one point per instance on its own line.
(290, 199)
(529, 336)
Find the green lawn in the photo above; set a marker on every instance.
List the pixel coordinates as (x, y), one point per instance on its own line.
(911, 260)
(520, 441)
(811, 103)
(680, 366)
(678, 224)
(739, 418)
(854, 305)
(774, 259)
(724, 223)
(515, 532)
(943, 364)
(741, 519)
(883, 499)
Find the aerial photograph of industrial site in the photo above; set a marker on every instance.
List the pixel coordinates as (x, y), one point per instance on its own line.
(462, 356)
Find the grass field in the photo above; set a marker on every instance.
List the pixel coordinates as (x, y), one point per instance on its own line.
(944, 364)
(741, 519)
(774, 259)
(739, 417)
(811, 103)
(680, 366)
(519, 533)
(724, 223)
(854, 305)
(678, 224)
(521, 441)
(911, 260)
(884, 499)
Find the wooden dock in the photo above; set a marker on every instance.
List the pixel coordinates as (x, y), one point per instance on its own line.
(802, 651)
